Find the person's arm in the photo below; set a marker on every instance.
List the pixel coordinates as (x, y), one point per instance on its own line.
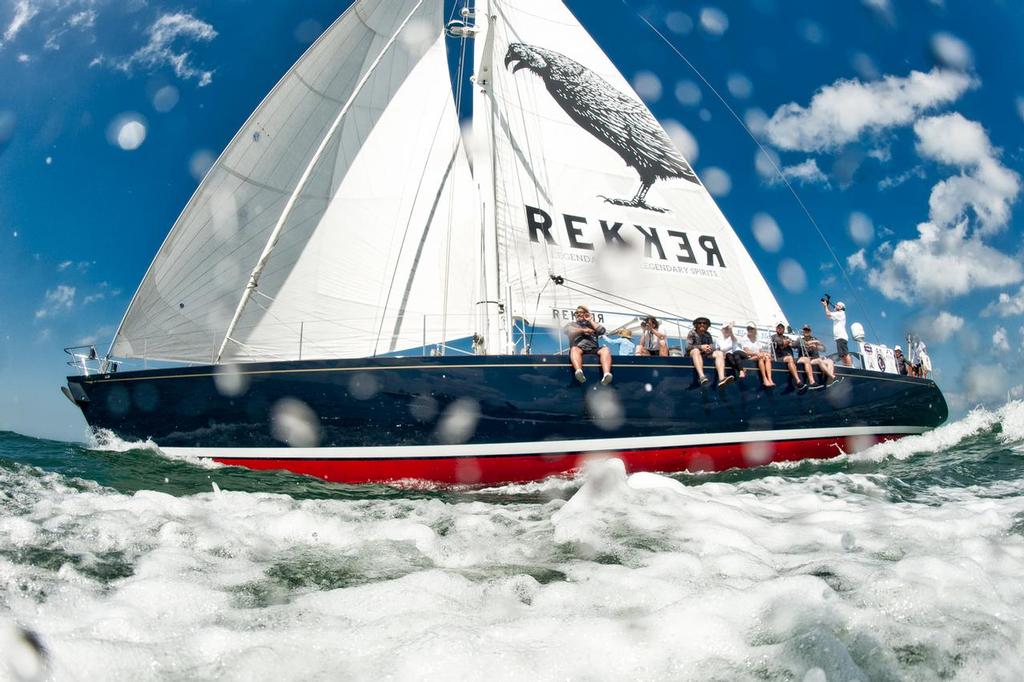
(828, 313)
(600, 331)
(691, 342)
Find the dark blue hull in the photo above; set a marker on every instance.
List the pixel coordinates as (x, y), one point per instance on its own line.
(367, 416)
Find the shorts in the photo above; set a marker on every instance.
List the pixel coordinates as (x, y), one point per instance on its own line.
(587, 346)
(843, 347)
(735, 359)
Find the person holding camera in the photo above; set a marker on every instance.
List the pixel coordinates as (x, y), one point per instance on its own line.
(652, 341)
(583, 335)
(838, 317)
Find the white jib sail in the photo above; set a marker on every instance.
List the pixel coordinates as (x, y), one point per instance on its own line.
(589, 187)
(362, 262)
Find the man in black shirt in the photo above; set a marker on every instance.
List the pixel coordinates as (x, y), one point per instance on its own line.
(782, 346)
(700, 346)
(810, 356)
(583, 335)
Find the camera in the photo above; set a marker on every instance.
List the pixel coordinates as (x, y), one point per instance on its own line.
(826, 299)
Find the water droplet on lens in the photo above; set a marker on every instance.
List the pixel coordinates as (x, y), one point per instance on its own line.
(293, 422)
(458, 423)
(363, 386)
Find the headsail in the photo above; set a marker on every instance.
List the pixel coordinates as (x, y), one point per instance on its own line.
(363, 262)
(589, 187)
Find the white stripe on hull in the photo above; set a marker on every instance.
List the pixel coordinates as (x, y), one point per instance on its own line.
(543, 447)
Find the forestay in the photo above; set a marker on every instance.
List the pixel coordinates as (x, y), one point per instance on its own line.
(588, 186)
(378, 244)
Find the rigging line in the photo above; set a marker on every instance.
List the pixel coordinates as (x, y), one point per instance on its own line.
(768, 156)
(645, 309)
(533, 325)
(613, 302)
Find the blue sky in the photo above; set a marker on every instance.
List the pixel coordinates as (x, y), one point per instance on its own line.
(899, 124)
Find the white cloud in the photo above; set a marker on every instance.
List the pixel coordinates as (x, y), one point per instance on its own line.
(940, 263)
(986, 187)
(165, 47)
(64, 266)
(1006, 305)
(841, 112)
(806, 173)
(56, 301)
(1000, 339)
(952, 139)
(857, 261)
(938, 328)
(897, 180)
(93, 298)
(24, 11)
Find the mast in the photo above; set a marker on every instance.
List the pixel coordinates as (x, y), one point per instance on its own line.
(484, 170)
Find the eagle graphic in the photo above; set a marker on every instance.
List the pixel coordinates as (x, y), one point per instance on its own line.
(618, 120)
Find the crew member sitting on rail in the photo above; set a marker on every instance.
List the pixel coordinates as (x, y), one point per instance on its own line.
(652, 342)
(810, 355)
(782, 345)
(753, 349)
(700, 345)
(623, 342)
(730, 346)
(583, 335)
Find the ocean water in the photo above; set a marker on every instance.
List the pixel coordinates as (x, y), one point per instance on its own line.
(905, 562)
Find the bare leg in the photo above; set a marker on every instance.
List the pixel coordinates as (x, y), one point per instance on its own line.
(764, 364)
(791, 366)
(719, 357)
(576, 358)
(809, 369)
(848, 360)
(605, 357)
(663, 348)
(698, 362)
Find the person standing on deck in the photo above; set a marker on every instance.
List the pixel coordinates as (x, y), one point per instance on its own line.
(583, 335)
(838, 317)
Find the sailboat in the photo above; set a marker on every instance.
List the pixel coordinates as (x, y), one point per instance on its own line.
(361, 290)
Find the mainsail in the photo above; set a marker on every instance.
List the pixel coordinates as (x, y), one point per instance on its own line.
(340, 193)
(588, 187)
(343, 219)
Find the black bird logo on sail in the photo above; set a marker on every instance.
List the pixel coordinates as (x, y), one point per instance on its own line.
(621, 122)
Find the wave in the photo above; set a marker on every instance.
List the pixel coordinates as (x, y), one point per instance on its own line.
(1006, 422)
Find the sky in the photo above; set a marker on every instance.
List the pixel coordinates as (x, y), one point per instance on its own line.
(900, 126)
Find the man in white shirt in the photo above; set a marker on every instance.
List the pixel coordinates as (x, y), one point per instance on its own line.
(838, 317)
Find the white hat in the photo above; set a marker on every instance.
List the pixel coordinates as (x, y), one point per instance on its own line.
(840, 306)
(898, 348)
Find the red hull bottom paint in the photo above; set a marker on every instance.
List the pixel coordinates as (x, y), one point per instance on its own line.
(470, 470)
